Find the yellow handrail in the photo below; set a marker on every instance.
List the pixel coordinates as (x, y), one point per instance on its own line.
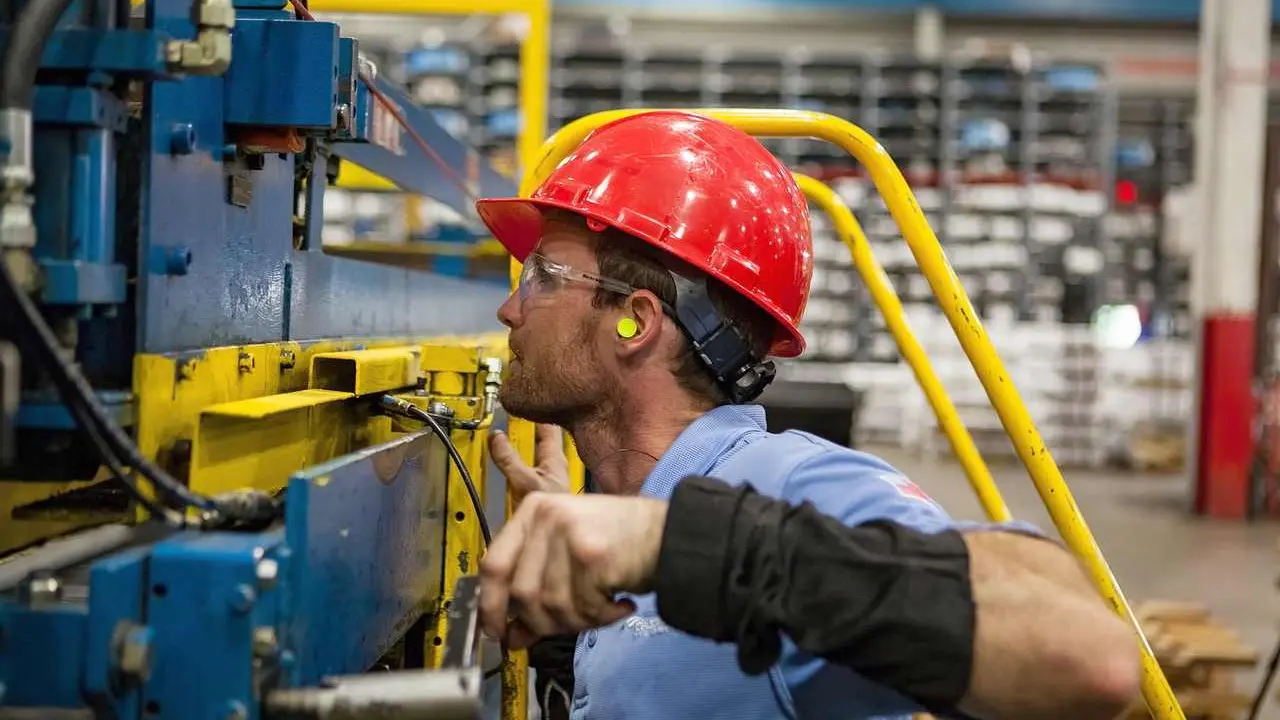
(955, 303)
(895, 318)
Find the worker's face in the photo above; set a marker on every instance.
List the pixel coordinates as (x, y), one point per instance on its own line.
(557, 373)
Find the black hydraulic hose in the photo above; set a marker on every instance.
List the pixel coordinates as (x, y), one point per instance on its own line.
(75, 389)
(403, 407)
(27, 40)
(119, 472)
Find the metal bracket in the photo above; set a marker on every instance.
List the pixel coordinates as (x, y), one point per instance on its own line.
(451, 692)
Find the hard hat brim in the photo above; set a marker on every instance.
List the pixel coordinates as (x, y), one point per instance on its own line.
(516, 223)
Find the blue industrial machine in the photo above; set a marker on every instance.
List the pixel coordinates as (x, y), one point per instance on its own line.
(239, 471)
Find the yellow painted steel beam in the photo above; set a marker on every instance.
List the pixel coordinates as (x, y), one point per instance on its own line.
(460, 357)
(895, 318)
(20, 532)
(358, 179)
(429, 248)
(365, 372)
(931, 258)
(173, 392)
(464, 543)
(260, 442)
(422, 7)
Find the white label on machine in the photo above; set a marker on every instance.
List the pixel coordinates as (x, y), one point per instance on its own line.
(385, 130)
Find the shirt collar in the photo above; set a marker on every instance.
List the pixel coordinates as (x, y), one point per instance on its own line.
(700, 445)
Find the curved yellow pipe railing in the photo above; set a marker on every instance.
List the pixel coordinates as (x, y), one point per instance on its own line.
(955, 303)
(895, 319)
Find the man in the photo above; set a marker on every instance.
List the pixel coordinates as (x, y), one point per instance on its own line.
(663, 261)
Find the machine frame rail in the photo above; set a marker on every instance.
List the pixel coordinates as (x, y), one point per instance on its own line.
(905, 209)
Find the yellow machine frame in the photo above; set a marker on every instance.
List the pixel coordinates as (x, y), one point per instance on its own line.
(533, 88)
(926, 249)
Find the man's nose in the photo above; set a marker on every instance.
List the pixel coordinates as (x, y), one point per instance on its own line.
(509, 311)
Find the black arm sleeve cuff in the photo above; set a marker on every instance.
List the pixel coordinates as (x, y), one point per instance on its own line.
(889, 602)
(696, 550)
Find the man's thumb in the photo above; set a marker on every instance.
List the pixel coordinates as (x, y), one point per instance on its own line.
(519, 475)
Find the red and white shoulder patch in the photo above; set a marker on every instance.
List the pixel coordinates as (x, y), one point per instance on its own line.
(906, 488)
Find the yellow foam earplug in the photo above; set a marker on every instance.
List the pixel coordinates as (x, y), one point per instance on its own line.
(627, 328)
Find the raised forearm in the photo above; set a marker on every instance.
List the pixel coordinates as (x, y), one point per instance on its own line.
(995, 624)
(1046, 645)
(881, 599)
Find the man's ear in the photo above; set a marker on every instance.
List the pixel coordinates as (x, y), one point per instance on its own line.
(640, 322)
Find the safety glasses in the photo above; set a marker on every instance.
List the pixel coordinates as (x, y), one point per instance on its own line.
(541, 276)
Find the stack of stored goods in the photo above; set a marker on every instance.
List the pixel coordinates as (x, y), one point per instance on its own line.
(1008, 161)
(1153, 157)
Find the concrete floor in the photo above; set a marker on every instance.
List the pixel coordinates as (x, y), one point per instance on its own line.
(1155, 548)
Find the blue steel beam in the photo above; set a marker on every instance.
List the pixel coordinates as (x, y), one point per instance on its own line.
(238, 278)
(383, 147)
(358, 560)
(136, 53)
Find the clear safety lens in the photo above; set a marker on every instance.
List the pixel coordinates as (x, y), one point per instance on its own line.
(537, 276)
(540, 275)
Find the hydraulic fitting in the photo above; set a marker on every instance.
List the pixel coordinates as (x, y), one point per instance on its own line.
(17, 226)
(210, 52)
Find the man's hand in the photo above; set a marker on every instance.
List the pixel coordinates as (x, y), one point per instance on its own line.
(558, 561)
(550, 474)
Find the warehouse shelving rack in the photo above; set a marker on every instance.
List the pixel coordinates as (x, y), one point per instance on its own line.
(922, 112)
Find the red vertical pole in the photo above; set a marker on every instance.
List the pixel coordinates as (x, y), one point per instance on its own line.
(1226, 416)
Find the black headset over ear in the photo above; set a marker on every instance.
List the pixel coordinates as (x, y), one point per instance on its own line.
(720, 346)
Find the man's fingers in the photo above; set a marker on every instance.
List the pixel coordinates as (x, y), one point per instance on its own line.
(518, 636)
(496, 570)
(504, 453)
(527, 591)
(564, 604)
(520, 476)
(549, 446)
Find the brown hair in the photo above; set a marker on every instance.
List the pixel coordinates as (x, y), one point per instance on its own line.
(624, 258)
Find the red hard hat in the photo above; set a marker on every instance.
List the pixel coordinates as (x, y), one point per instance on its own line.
(692, 186)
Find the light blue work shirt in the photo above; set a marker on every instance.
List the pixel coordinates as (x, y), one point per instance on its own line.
(641, 668)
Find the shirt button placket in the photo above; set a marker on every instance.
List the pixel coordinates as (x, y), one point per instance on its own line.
(580, 681)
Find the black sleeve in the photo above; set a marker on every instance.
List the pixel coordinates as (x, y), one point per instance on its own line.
(551, 659)
(886, 601)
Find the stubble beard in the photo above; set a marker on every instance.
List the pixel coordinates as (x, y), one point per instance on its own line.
(550, 398)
